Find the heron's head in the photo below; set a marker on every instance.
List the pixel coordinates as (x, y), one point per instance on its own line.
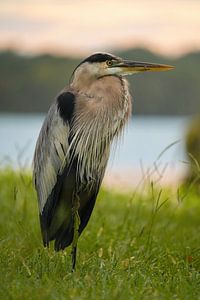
(103, 64)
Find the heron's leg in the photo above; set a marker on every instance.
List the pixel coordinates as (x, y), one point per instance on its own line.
(76, 221)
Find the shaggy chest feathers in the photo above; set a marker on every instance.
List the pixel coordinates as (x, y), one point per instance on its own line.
(99, 116)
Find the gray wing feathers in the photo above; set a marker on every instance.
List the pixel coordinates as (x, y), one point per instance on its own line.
(51, 154)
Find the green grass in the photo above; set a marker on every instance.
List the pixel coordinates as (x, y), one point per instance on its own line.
(136, 246)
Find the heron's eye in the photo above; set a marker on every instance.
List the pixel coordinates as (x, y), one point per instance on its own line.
(109, 63)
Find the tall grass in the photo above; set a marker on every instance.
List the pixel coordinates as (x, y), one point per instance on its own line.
(144, 245)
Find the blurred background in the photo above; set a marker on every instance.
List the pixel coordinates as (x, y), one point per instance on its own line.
(41, 42)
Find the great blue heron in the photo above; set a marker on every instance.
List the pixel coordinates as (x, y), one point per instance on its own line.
(74, 143)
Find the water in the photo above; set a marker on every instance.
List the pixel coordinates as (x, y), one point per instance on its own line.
(144, 140)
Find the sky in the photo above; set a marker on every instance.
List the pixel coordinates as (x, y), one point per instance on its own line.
(79, 27)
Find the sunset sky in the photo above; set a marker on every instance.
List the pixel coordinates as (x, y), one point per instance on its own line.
(79, 27)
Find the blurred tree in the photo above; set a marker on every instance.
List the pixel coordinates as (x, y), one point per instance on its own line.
(193, 150)
(30, 83)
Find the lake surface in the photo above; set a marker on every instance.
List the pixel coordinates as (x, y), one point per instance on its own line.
(144, 140)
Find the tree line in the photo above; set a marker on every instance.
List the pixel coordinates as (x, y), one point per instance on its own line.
(30, 83)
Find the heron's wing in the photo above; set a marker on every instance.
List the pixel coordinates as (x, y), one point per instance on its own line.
(64, 236)
(51, 154)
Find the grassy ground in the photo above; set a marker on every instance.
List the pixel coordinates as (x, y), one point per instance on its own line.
(136, 246)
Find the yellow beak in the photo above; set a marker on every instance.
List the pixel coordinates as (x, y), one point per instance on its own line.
(129, 67)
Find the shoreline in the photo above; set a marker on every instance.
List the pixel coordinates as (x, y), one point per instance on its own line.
(130, 178)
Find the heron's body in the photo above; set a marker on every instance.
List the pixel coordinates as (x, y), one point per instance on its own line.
(74, 145)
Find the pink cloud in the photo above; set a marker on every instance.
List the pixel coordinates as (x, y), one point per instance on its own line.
(170, 27)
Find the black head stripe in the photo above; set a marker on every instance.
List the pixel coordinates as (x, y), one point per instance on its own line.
(98, 57)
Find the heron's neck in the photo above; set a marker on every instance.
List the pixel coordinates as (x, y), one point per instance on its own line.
(82, 80)
(107, 88)
(107, 95)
